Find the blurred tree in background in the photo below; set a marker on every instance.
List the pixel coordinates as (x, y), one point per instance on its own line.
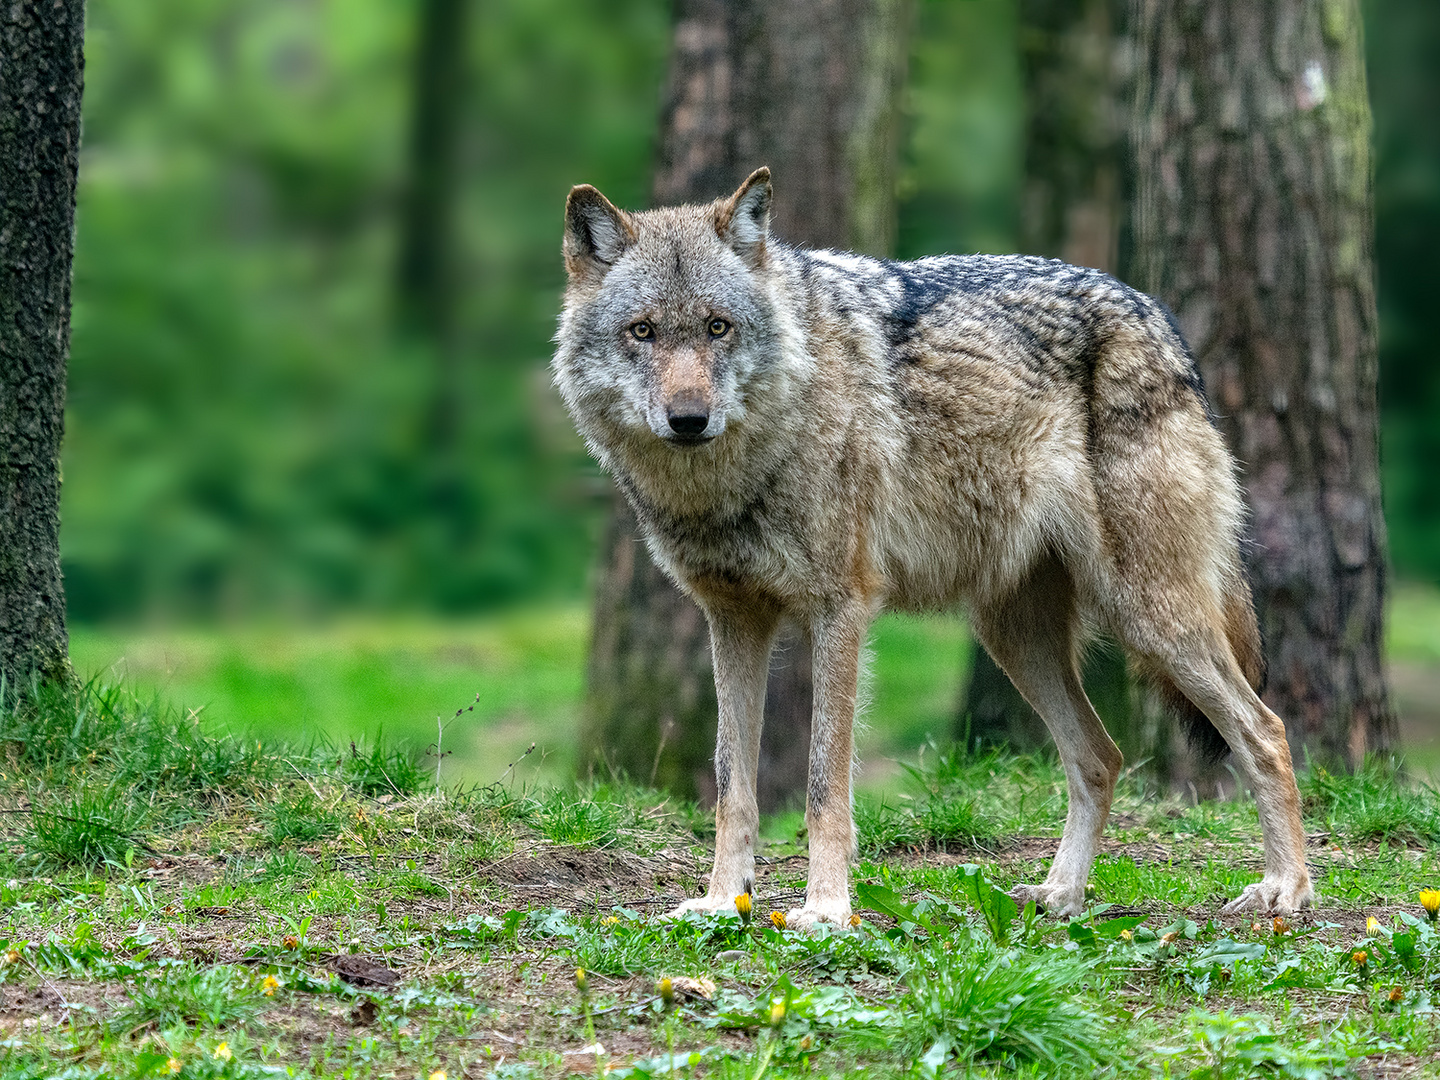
(247, 434)
(810, 88)
(41, 77)
(1254, 223)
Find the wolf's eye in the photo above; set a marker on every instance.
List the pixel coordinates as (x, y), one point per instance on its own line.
(643, 330)
(719, 327)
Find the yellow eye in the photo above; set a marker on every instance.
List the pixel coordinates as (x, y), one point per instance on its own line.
(643, 330)
(719, 327)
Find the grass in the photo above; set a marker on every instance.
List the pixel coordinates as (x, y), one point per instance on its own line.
(390, 682)
(313, 911)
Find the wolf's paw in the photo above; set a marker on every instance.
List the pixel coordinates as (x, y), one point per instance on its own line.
(1274, 896)
(706, 903)
(810, 918)
(1061, 901)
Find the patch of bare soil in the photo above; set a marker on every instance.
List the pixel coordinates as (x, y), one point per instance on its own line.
(598, 878)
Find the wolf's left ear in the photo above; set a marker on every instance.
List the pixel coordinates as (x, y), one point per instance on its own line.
(596, 233)
(743, 220)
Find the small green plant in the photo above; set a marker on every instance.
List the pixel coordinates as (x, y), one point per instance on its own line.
(382, 770)
(303, 821)
(1005, 1007)
(89, 827)
(208, 998)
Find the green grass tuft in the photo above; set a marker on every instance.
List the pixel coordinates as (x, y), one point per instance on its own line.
(88, 828)
(1377, 802)
(1007, 1008)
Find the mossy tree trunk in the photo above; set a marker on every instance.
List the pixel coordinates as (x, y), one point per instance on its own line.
(41, 78)
(1254, 223)
(810, 88)
(1072, 208)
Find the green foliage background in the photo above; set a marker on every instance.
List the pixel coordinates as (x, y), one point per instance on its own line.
(247, 435)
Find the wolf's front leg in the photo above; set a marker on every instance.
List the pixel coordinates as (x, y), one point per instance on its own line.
(741, 636)
(828, 799)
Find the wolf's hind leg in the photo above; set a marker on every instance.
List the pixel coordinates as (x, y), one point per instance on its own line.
(1204, 668)
(1031, 635)
(741, 637)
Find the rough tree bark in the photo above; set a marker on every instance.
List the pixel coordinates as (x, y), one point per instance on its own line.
(1071, 208)
(1253, 222)
(41, 78)
(810, 88)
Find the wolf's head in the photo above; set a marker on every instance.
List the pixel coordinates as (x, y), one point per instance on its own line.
(667, 320)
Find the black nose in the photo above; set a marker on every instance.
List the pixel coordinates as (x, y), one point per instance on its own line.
(688, 420)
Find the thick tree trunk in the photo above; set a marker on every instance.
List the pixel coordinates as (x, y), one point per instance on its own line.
(1071, 209)
(41, 77)
(810, 88)
(1253, 222)
(425, 279)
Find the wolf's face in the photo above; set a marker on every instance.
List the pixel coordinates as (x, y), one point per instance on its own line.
(666, 321)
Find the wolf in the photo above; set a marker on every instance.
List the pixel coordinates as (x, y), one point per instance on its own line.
(819, 435)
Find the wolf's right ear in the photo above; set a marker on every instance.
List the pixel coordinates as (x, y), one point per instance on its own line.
(743, 220)
(596, 233)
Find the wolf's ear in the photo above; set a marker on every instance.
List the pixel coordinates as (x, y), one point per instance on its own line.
(596, 233)
(743, 220)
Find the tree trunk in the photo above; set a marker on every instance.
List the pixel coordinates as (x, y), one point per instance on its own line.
(1253, 222)
(425, 272)
(810, 88)
(41, 77)
(1072, 209)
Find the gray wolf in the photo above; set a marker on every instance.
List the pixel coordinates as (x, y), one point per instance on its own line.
(820, 435)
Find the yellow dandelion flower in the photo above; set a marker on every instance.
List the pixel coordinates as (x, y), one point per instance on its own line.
(291, 941)
(222, 1052)
(12, 956)
(777, 1011)
(1127, 935)
(174, 1065)
(1280, 925)
(855, 922)
(667, 992)
(1430, 901)
(1372, 926)
(582, 981)
(269, 985)
(778, 918)
(1397, 995)
(610, 920)
(438, 1074)
(744, 906)
(1360, 958)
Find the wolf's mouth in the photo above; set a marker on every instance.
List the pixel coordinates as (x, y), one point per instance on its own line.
(688, 441)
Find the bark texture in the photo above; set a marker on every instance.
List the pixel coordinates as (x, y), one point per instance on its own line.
(1254, 223)
(41, 77)
(810, 88)
(1072, 209)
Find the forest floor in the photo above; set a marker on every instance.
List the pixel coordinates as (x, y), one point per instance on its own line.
(177, 903)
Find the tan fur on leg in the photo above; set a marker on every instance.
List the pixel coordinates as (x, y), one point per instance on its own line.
(829, 814)
(740, 642)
